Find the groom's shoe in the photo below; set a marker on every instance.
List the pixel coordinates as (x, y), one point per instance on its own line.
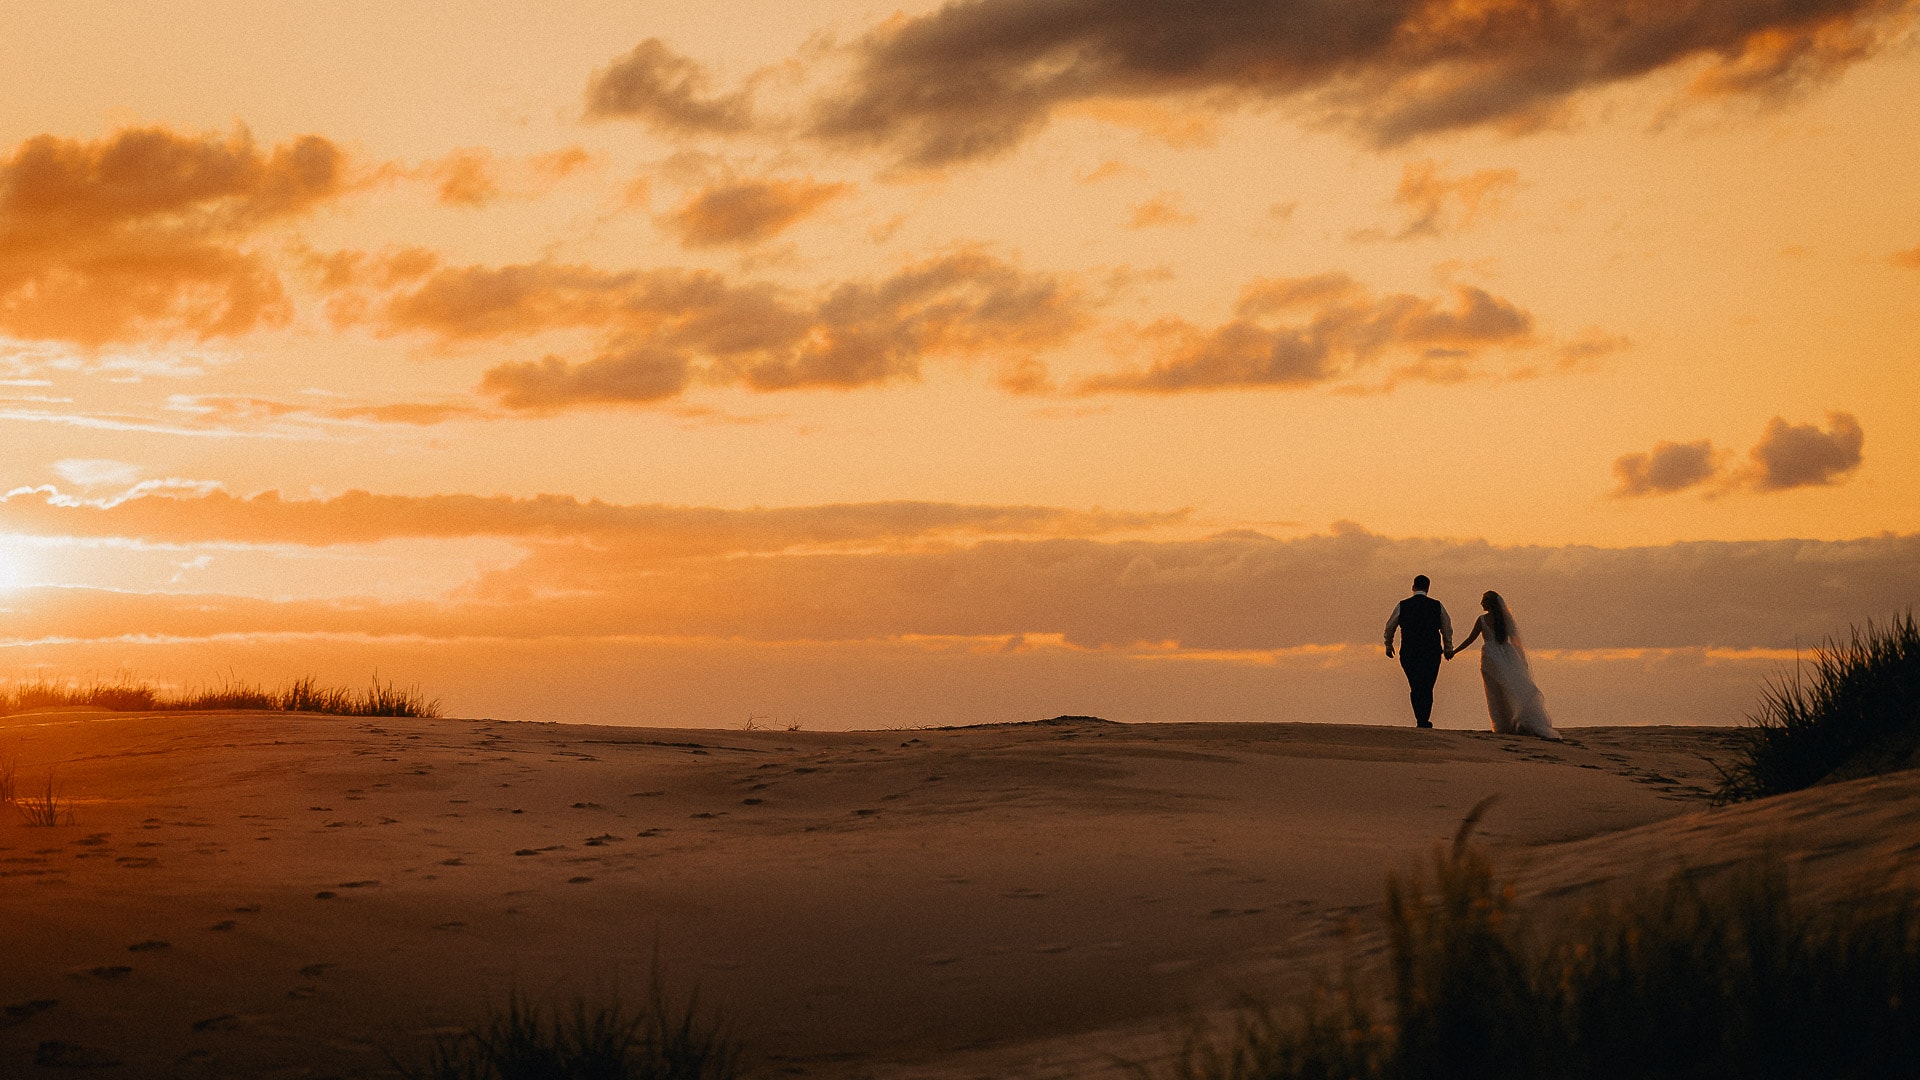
(1423, 723)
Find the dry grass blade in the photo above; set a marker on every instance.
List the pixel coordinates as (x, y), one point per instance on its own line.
(45, 808)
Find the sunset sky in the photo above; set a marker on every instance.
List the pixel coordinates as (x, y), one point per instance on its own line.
(847, 364)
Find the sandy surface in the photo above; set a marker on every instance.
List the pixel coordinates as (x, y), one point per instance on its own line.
(248, 894)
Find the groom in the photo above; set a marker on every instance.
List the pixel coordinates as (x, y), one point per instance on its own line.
(1426, 635)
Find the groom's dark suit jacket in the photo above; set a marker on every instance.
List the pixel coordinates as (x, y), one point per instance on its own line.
(1420, 621)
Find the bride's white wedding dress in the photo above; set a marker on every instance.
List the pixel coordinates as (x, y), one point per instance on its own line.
(1514, 701)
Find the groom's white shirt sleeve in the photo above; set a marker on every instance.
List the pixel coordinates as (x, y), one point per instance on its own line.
(1393, 623)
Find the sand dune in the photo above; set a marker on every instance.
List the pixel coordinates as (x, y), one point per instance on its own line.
(249, 894)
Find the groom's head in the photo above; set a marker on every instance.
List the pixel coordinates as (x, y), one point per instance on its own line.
(1421, 583)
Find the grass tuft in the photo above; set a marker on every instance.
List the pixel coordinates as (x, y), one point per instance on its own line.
(44, 809)
(302, 695)
(1686, 980)
(1855, 713)
(582, 1040)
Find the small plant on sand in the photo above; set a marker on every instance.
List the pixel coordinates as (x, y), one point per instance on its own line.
(598, 1040)
(7, 789)
(1855, 713)
(44, 808)
(1736, 979)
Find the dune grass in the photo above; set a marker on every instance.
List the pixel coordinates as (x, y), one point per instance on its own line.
(1735, 978)
(44, 808)
(602, 1039)
(301, 695)
(1854, 712)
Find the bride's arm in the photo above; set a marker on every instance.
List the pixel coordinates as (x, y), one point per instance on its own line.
(1478, 625)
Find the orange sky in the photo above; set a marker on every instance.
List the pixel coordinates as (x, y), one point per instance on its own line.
(962, 361)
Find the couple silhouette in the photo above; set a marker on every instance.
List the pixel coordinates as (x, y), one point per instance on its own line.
(1515, 704)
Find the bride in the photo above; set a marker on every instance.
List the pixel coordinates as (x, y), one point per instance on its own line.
(1514, 701)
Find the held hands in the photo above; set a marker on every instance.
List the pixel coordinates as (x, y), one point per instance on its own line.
(1389, 650)
(1448, 653)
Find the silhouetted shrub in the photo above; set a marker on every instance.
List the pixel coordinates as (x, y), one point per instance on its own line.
(584, 1040)
(1857, 712)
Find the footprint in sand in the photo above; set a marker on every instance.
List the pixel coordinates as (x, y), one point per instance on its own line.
(103, 972)
(149, 946)
(313, 971)
(224, 924)
(578, 880)
(26, 1010)
(55, 1054)
(223, 1022)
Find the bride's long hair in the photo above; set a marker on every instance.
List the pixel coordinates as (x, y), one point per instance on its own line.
(1501, 622)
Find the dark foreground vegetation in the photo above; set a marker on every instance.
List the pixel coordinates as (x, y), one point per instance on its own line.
(1855, 711)
(1691, 980)
(301, 695)
(599, 1040)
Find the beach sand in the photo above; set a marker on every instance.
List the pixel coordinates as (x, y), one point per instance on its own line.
(249, 894)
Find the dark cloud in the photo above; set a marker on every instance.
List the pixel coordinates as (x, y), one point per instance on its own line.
(1909, 257)
(677, 577)
(975, 77)
(1787, 456)
(144, 234)
(667, 91)
(749, 211)
(667, 328)
(1297, 332)
(1667, 468)
(1801, 455)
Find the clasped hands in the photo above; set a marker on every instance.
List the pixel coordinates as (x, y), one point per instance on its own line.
(1444, 653)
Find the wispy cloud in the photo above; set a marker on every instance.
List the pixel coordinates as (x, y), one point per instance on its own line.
(742, 212)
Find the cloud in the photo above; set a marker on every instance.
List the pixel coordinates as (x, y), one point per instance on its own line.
(1160, 210)
(465, 177)
(1909, 257)
(143, 234)
(1668, 468)
(668, 328)
(973, 78)
(1332, 328)
(679, 574)
(1441, 204)
(1787, 456)
(160, 514)
(667, 91)
(749, 211)
(1801, 455)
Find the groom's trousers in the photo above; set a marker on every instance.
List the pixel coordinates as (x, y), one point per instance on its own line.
(1422, 673)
